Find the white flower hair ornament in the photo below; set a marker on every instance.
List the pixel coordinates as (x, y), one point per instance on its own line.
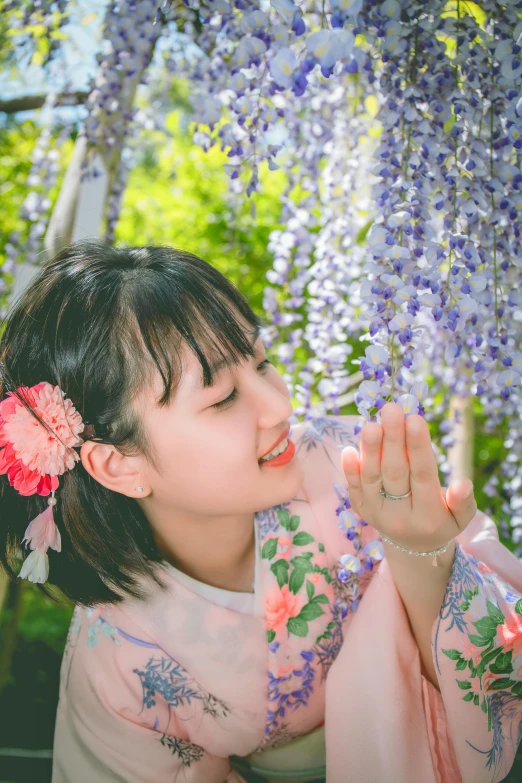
(33, 458)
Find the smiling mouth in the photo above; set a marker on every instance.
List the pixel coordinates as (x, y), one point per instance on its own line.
(281, 459)
(283, 437)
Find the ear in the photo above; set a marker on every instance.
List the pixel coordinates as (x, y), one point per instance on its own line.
(112, 469)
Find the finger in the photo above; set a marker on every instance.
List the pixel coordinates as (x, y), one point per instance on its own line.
(395, 467)
(461, 502)
(371, 477)
(424, 473)
(352, 471)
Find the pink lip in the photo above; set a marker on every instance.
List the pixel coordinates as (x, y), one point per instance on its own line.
(283, 436)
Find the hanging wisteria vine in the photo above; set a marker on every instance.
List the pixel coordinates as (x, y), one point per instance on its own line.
(435, 168)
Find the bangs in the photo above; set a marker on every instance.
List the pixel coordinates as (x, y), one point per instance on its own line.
(206, 313)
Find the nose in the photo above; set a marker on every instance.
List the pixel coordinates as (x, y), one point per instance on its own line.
(275, 404)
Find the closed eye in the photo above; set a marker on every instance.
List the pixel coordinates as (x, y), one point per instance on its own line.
(234, 394)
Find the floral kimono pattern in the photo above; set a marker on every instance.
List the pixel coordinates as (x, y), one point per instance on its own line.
(175, 687)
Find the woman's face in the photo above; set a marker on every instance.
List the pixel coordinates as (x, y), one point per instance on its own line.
(208, 456)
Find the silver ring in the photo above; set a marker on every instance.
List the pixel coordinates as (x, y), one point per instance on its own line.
(393, 497)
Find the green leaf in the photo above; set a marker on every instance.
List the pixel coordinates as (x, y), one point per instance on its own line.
(310, 612)
(517, 689)
(476, 699)
(464, 684)
(321, 599)
(502, 684)
(284, 518)
(302, 562)
(468, 594)
(303, 538)
(297, 626)
(321, 549)
(280, 569)
(327, 579)
(294, 523)
(494, 612)
(330, 626)
(270, 635)
(297, 578)
(503, 663)
(310, 590)
(518, 606)
(464, 606)
(461, 665)
(484, 705)
(486, 626)
(269, 549)
(488, 657)
(468, 697)
(455, 655)
(478, 641)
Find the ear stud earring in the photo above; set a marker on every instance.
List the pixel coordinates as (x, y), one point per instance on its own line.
(140, 489)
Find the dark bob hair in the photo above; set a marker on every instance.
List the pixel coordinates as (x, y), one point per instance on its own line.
(98, 321)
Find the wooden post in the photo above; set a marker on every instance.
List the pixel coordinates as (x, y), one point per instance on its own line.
(460, 455)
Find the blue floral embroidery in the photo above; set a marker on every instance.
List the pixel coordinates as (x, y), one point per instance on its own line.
(289, 699)
(319, 427)
(463, 577)
(170, 680)
(328, 648)
(268, 521)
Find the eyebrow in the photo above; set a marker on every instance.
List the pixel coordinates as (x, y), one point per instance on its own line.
(220, 364)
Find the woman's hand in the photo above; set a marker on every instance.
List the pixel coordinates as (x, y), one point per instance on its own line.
(398, 456)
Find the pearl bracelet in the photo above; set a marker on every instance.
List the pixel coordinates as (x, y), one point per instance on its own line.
(433, 554)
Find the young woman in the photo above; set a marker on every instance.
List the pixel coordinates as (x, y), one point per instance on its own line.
(215, 584)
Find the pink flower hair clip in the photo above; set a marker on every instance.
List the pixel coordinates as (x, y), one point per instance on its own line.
(33, 458)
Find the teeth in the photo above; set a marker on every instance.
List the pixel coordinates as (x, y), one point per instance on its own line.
(278, 450)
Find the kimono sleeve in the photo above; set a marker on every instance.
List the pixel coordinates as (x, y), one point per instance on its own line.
(477, 651)
(122, 750)
(101, 735)
(469, 731)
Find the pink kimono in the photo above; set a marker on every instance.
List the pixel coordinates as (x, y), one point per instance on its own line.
(179, 688)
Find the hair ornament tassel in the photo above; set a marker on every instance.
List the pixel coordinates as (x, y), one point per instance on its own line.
(33, 459)
(41, 534)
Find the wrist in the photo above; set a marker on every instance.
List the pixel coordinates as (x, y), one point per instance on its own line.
(421, 562)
